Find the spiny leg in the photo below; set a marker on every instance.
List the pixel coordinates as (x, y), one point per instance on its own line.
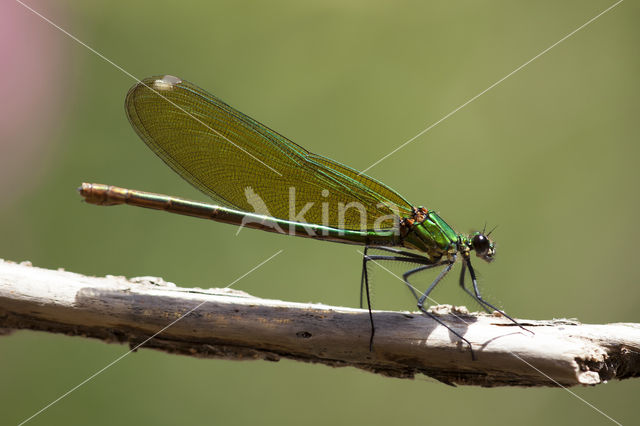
(478, 297)
(400, 252)
(364, 275)
(405, 256)
(364, 281)
(413, 271)
(463, 271)
(426, 294)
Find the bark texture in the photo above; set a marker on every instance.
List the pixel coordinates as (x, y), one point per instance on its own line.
(148, 312)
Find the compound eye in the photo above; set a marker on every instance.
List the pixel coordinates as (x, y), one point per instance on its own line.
(481, 245)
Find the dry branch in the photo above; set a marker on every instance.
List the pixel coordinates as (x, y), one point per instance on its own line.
(234, 325)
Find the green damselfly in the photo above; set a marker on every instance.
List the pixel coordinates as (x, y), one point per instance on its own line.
(259, 179)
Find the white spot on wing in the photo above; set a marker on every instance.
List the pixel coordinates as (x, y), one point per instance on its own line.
(166, 83)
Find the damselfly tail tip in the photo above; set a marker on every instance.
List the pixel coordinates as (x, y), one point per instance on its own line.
(83, 188)
(102, 195)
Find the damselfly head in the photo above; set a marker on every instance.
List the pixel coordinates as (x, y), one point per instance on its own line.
(483, 246)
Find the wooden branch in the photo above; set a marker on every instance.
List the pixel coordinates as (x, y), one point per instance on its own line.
(234, 325)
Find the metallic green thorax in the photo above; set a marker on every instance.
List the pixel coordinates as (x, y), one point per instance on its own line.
(433, 236)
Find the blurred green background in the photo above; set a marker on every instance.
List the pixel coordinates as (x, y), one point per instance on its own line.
(550, 156)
